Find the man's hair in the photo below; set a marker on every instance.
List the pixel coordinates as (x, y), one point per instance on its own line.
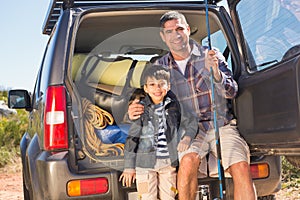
(170, 15)
(157, 72)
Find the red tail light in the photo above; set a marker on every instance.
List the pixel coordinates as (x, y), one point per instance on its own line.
(87, 187)
(55, 119)
(259, 170)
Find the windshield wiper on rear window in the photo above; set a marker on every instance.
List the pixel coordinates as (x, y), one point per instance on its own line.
(267, 63)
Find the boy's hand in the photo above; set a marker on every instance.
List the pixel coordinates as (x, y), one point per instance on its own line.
(127, 177)
(184, 144)
(135, 109)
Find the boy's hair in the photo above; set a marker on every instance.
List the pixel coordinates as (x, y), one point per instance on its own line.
(170, 16)
(157, 72)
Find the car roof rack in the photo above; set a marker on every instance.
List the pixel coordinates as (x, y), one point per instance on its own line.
(54, 11)
(56, 8)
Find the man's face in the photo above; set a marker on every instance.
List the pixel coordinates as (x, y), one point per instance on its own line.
(176, 35)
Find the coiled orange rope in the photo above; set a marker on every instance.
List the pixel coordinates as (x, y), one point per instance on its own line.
(96, 117)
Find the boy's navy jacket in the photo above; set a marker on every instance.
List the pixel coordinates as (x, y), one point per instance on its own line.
(140, 150)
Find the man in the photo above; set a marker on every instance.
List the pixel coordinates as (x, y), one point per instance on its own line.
(190, 65)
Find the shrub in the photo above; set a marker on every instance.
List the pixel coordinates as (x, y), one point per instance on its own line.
(12, 129)
(290, 175)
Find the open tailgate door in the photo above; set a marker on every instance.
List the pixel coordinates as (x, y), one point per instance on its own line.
(268, 104)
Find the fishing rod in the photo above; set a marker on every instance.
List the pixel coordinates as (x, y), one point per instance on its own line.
(216, 127)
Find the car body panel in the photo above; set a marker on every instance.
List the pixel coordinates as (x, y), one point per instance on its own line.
(268, 101)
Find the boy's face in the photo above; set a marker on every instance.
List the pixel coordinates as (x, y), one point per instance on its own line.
(156, 89)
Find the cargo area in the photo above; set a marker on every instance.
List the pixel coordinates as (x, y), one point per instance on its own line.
(108, 60)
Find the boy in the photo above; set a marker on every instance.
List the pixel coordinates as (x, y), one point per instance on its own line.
(152, 145)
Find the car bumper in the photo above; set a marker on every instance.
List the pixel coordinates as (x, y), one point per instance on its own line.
(264, 187)
(51, 174)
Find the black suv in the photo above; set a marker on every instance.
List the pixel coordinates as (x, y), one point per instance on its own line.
(96, 53)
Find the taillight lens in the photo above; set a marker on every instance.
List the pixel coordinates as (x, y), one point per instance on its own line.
(259, 170)
(55, 119)
(87, 187)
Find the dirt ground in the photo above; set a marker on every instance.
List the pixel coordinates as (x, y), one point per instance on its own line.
(11, 185)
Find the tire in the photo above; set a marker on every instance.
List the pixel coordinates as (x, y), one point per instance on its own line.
(294, 160)
(269, 197)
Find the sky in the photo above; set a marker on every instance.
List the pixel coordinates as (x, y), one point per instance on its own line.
(22, 42)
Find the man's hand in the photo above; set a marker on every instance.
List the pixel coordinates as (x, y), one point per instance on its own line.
(127, 177)
(211, 60)
(184, 144)
(135, 110)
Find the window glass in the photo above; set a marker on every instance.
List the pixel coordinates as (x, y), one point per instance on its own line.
(218, 41)
(35, 95)
(47, 61)
(271, 28)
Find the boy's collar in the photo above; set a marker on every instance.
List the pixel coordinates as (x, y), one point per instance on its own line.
(147, 100)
